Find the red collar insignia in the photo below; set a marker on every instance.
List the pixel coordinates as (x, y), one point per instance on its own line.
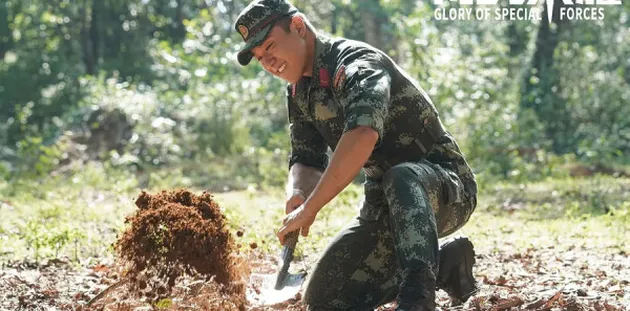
(324, 78)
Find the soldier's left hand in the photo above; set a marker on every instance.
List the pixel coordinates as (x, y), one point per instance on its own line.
(299, 219)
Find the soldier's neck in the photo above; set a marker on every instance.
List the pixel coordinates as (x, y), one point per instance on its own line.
(310, 54)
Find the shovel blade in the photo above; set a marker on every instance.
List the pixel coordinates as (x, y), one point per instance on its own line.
(269, 295)
(291, 280)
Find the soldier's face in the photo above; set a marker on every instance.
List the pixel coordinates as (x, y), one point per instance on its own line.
(283, 54)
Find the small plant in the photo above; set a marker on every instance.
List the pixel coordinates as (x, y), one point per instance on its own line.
(164, 303)
(51, 237)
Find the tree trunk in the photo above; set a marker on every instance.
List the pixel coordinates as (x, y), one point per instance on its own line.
(112, 31)
(541, 83)
(378, 29)
(333, 20)
(86, 42)
(176, 29)
(372, 24)
(95, 31)
(517, 39)
(6, 38)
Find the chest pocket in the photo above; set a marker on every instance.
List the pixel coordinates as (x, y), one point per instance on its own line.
(326, 114)
(324, 110)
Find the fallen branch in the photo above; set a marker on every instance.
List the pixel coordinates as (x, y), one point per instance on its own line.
(551, 300)
(536, 304)
(107, 290)
(506, 304)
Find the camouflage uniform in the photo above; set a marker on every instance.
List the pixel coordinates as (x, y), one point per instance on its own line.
(418, 187)
(410, 200)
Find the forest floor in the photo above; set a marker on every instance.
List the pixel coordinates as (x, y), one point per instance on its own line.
(549, 245)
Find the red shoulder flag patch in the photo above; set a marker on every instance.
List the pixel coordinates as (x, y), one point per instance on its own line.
(324, 78)
(340, 77)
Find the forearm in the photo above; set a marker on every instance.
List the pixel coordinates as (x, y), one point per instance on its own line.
(302, 180)
(353, 150)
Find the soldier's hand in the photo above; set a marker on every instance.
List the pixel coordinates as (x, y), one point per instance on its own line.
(299, 219)
(294, 201)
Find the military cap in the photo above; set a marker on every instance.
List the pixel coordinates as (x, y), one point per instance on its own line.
(255, 22)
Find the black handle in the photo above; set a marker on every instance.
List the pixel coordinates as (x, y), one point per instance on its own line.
(290, 241)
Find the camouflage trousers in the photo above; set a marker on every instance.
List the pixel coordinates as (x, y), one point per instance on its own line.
(402, 216)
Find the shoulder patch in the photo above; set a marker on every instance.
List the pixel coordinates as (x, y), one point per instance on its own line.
(339, 77)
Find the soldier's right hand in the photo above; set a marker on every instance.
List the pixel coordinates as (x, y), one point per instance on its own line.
(294, 201)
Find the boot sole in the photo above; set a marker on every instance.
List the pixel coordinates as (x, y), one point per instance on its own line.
(466, 284)
(469, 286)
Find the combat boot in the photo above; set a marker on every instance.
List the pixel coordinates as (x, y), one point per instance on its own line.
(455, 276)
(417, 290)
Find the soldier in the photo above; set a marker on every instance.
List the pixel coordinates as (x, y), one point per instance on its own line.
(353, 98)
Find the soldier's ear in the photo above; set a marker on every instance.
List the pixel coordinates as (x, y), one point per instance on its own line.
(298, 26)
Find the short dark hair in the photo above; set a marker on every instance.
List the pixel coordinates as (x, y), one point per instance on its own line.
(285, 23)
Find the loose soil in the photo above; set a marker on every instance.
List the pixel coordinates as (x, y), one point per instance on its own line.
(177, 234)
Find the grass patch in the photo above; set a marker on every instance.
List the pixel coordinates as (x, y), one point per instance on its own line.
(75, 216)
(79, 215)
(259, 215)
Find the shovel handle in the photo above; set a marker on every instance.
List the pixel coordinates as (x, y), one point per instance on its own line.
(290, 241)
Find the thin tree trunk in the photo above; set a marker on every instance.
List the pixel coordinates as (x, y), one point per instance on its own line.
(95, 31)
(541, 83)
(86, 42)
(333, 20)
(179, 31)
(371, 24)
(6, 38)
(376, 24)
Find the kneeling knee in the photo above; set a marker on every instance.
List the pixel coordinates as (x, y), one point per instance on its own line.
(399, 172)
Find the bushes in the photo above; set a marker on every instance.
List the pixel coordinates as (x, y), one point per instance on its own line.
(175, 100)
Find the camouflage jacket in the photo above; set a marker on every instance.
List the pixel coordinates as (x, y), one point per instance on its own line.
(354, 84)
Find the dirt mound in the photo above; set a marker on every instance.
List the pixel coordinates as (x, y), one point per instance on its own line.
(175, 234)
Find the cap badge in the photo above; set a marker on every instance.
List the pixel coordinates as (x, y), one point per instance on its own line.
(244, 31)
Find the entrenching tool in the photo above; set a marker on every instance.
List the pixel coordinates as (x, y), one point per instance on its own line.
(284, 277)
(283, 286)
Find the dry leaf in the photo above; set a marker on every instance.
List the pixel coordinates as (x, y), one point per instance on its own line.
(100, 268)
(505, 304)
(552, 300)
(536, 304)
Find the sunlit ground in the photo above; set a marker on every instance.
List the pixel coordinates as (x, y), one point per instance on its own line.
(532, 241)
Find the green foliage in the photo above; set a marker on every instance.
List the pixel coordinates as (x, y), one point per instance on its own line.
(42, 238)
(196, 117)
(71, 214)
(598, 103)
(164, 303)
(563, 197)
(36, 159)
(56, 220)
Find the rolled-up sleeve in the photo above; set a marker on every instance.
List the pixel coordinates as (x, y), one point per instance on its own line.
(307, 144)
(364, 95)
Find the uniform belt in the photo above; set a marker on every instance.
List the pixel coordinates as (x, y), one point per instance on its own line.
(433, 131)
(421, 146)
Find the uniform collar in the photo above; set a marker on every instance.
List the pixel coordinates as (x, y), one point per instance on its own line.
(321, 74)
